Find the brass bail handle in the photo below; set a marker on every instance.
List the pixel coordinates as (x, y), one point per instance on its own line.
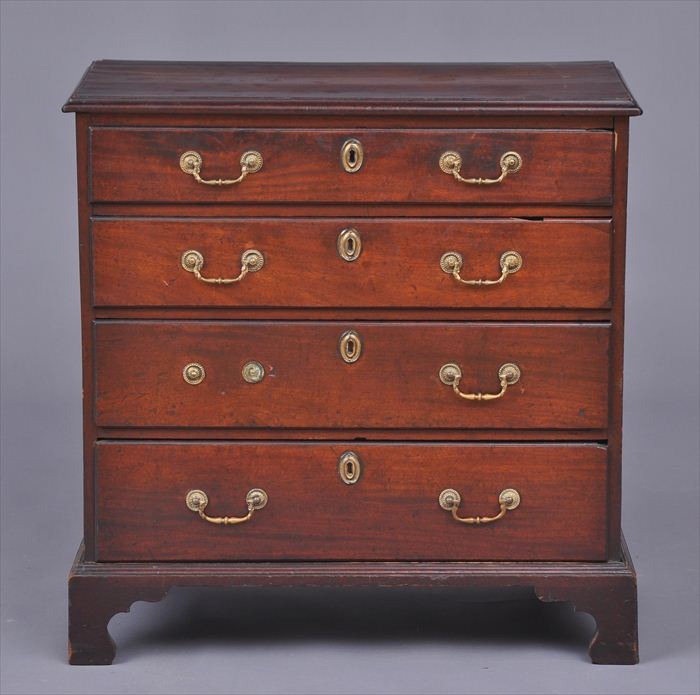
(452, 262)
(450, 500)
(451, 374)
(191, 163)
(451, 163)
(197, 501)
(252, 260)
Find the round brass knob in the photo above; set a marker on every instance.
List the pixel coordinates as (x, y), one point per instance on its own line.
(193, 373)
(253, 372)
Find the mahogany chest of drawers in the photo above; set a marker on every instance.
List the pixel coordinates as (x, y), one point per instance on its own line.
(352, 325)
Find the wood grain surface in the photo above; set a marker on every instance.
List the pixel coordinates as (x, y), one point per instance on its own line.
(566, 264)
(571, 88)
(391, 513)
(143, 165)
(394, 383)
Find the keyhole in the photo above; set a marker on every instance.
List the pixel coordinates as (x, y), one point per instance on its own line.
(349, 244)
(349, 468)
(350, 347)
(351, 155)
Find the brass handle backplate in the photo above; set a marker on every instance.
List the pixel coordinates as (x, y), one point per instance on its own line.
(452, 261)
(251, 261)
(450, 500)
(508, 374)
(197, 501)
(191, 163)
(451, 163)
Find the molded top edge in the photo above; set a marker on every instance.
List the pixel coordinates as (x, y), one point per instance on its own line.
(572, 88)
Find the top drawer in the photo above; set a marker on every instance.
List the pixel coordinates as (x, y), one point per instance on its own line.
(560, 167)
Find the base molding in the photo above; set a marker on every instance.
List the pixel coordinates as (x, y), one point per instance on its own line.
(606, 590)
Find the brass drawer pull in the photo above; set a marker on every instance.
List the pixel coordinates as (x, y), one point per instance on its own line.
(253, 372)
(251, 261)
(451, 163)
(450, 500)
(193, 373)
(452, 261)
(191, 163)
(197, 501)
(451, 375)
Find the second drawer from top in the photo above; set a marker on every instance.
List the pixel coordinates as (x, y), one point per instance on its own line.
(423, 263)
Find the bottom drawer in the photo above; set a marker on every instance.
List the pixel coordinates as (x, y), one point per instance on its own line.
(391, 512)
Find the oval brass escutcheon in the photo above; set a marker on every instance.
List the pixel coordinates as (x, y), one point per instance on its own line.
(349, 467)
(349, 244)
(350, 346)
(351, 155)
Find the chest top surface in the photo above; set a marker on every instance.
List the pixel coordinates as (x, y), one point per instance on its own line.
(574, 88)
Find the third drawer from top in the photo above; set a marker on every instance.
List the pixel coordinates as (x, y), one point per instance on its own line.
(329, 374)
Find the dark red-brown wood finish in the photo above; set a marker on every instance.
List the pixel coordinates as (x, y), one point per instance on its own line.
(563, 375)
(555, 435)
(142, 165)
(607, 591)
(565, 264)
(391, 513)
(121, 86)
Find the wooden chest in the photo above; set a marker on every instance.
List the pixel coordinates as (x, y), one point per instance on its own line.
(353, 325)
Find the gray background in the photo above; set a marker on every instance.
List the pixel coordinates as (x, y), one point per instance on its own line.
(369, 642)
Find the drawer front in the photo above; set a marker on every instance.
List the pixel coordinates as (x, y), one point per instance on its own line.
(394, 381)
(391, 513)
(144, 165)
(393, 263)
